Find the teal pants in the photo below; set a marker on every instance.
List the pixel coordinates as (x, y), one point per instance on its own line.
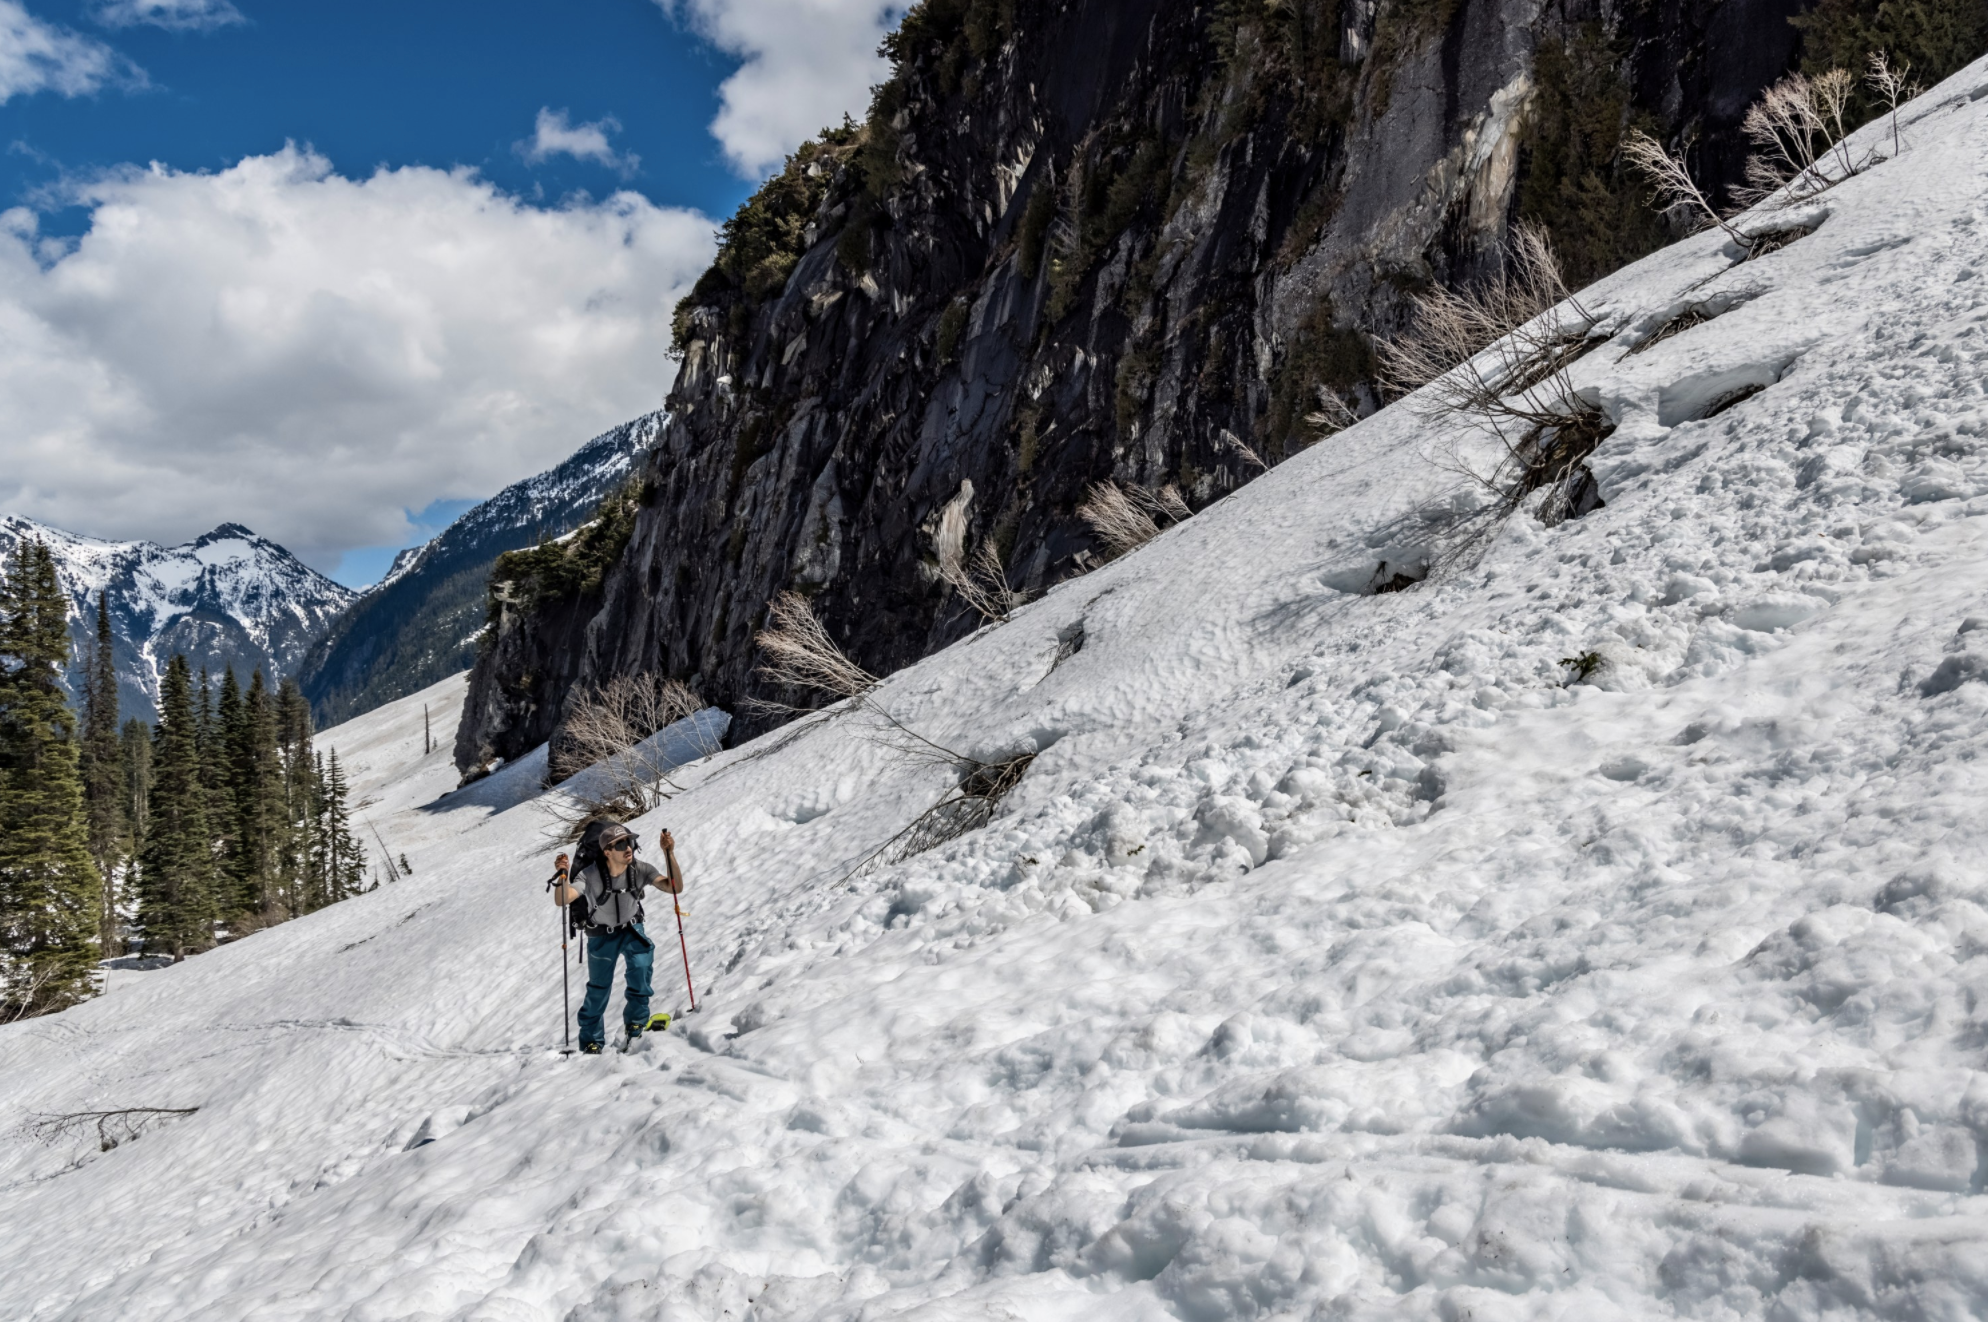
(604, 951)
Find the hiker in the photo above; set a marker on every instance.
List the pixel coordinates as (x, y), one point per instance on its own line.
(605, 896)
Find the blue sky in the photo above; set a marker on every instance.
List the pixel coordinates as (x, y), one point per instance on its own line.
(367, 82)
(337, 271)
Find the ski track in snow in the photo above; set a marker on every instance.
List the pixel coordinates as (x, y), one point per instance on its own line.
(1335, 958)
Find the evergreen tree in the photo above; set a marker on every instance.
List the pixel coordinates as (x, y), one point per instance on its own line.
(103, 774)
(177, 902)
(298, 797)
(134, 806)
(258, 784)
(223, 753)
(345, 870)
(49, 887)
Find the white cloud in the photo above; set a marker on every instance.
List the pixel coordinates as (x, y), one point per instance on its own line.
(807, 62)
(555, 135)
(38, 57)
(310, 355)
(181, 15)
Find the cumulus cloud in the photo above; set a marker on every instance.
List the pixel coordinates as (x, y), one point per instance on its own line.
(556, 135)
(39, 57)
(310, 355)
(179, 15)
(806, 64)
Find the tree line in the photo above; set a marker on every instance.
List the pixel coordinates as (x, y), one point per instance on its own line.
(163, 839)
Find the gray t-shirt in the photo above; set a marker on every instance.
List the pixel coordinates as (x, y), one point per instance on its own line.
(615, 901)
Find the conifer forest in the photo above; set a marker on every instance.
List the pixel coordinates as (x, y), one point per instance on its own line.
(156, 841)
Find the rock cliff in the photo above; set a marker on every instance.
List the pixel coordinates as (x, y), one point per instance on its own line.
(1138, 240)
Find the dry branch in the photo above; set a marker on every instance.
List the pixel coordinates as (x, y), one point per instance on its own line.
(607, 756)
(113, 1127)
(981, 581)
(1497, 356)
(1672, 180)
(800, 654)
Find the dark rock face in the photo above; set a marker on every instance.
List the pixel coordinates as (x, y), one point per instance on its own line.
(1138, 240)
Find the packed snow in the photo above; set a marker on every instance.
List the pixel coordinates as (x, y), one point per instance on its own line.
(1338, 956)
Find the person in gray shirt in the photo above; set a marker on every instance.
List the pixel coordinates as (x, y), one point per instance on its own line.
(606, 898)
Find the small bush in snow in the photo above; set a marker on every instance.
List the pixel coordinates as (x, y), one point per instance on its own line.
(1124, 519)
(979, 580)
(606, 733)
(800, 654)
(1498, 355)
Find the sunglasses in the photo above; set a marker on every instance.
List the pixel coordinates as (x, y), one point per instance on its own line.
(619, 847)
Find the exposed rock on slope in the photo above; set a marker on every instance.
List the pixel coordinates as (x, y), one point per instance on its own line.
(229, 598)
(420, 623)
(1104, 239)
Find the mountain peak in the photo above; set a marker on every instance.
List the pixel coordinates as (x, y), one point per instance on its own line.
(228, 598)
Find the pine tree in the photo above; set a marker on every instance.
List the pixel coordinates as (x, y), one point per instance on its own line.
(223, 753)
(177, 903)
(258, 781)
(345, 872)
(299, 791)
(49, 887)
(103, 774)
(134, 807)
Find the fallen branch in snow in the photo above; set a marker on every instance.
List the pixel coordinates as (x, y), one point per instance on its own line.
(805, 656)
(113, 1127)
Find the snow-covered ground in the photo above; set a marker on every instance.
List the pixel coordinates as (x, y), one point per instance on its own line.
(1336, 957)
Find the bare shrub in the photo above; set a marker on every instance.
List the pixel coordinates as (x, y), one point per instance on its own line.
(981, 581)
(1797, 130)
(804, 656)
(969, 806)
(1451, 328)
(800, 654)
(1126, 518)
(1497, 356)
(1891, 86)
(1673, 181)
(1167, 502)
(608, 734)
(1234, 442)
(1332, 415)
(1116, 519)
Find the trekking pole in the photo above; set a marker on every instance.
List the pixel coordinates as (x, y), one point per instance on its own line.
(676, 875)
(565, 969)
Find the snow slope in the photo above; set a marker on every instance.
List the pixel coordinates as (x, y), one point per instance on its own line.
(1336, 957)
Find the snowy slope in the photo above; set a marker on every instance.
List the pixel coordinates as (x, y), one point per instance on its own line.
(226, 598)
(1335, 958)
(422, 621)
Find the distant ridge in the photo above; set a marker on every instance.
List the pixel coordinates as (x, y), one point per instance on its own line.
(420, 623)
(228, 598)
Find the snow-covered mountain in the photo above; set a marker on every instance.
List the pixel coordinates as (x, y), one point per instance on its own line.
(420, 623)
(1596, 929)
(228, 598)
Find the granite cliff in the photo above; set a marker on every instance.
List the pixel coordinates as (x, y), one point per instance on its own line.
(1138, 240)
